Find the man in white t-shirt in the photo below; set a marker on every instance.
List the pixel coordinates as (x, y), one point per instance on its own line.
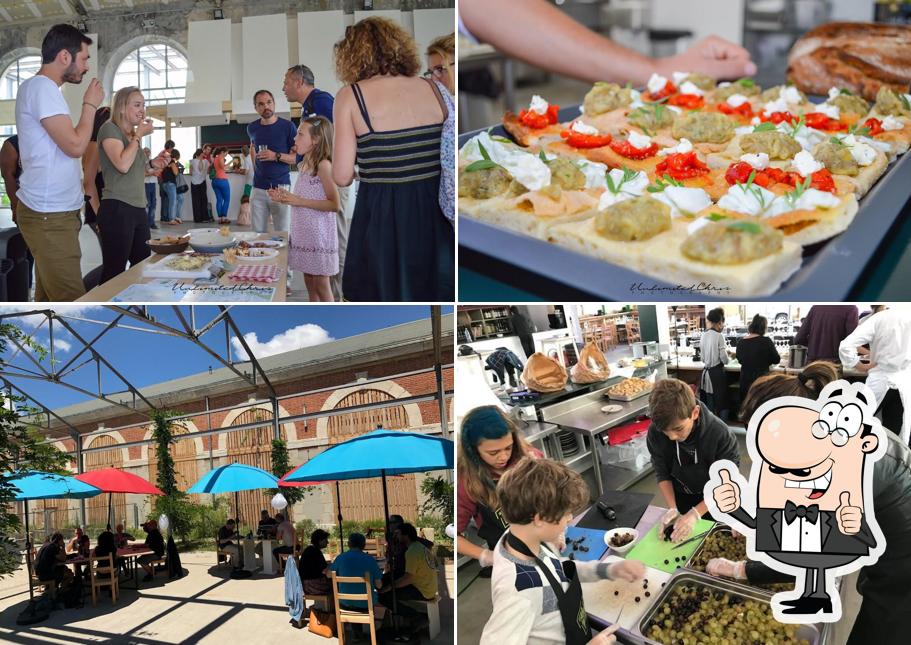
(50, 192)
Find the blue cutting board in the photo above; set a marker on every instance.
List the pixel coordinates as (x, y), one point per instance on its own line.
(594, 540)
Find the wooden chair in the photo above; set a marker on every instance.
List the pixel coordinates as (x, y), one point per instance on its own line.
(160, 561)
(343, 616)
(298, 549)
(221, 556)
(50, 585)
(375, 547)
(102, 573)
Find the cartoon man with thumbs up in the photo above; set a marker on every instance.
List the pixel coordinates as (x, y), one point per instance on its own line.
(807, 509)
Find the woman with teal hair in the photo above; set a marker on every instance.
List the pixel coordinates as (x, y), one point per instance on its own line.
(489, 444)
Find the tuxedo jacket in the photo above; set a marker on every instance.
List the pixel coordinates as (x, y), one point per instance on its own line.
(768, 523)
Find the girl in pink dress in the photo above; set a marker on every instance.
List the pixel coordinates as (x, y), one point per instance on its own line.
(314, 202)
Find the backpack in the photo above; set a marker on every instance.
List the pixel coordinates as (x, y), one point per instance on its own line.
(181, 180)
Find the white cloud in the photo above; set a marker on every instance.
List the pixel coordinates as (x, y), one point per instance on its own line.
(62, 346)
(36, 319)
(295, 338)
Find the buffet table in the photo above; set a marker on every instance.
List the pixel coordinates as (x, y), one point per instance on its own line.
(224, 289)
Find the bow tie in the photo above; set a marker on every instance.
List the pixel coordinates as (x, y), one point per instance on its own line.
(791, 510)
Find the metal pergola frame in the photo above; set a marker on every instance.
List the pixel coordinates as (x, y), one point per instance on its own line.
(192, 332)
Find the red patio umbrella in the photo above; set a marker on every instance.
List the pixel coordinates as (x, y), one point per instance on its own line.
(114, 480)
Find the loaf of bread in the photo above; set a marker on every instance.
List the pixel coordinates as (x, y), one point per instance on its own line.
(860, 56)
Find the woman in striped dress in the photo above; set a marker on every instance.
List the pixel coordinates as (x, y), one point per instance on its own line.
(389, 121)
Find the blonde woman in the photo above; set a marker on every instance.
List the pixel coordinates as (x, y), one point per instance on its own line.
(314, 202)
(401, 246)
(122, 221)
(441, 61)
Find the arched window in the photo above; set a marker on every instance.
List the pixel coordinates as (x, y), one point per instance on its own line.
(20, 70)
(158, 70)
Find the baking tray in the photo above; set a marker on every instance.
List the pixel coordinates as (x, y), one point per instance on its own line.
(828, 273)
(717, 529)
(627, 398)
(811, 633)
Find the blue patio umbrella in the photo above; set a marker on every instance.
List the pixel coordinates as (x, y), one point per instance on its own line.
(38, 485)
(377, 454)
(234, 478)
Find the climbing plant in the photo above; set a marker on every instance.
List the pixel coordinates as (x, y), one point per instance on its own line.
(174, 503)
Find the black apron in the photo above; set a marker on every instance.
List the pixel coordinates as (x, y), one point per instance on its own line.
(719, 399)
(569, 602)
(689, 475)
(493, 526)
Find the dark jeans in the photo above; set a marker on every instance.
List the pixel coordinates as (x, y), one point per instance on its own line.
(892, 411)
(124, 231)
(409, 592)
(151, 202)
(200, 202)
(165, 213)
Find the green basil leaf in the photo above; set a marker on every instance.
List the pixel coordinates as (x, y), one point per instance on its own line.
(745, 82)
(846, 91)
(768, 126)
(717, 217)
(483, 151)
(837, 142)
(905, 103)
(542, 156)
(655, 189)
(481, 164)
(746, 227)
(610, 184)
(500, 139)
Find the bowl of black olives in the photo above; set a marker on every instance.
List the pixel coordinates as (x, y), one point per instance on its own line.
(621, 540)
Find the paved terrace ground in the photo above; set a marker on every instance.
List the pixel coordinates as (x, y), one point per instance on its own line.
(205, 606)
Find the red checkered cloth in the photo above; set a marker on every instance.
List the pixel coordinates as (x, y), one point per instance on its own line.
(255, 273)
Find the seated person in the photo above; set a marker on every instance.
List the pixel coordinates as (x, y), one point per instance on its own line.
(395, 549)
(226, 534)
(50, 563)
(107, 544)
(538, 498)
(79, 544)
(353, 563)
(266, 527)
(122, 539)
(154, 541)
(684, 439)
(313, 565)
(419, 582)
(284, 532)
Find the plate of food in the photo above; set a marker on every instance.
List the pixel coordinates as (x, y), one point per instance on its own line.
(260, 244)
(252, 254)
(733, 188)
(180, 266)
(201, 231)
(629, 389)
(169, 244)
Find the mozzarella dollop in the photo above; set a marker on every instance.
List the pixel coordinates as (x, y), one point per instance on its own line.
(639, 141)
(583, 128)
(759, 160)
(736, 100)
(656, 83)
(805, 164)
(683, 200)
(538, 105)
(685, 145)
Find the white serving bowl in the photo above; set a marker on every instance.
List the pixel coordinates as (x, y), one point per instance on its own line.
(622, 550)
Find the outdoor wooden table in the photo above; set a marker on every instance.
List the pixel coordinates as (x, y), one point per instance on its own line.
(132, 553)
(134, 275)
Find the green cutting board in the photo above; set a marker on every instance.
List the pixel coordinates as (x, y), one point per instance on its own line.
(653, 551)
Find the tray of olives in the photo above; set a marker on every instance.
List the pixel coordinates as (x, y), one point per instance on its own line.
(720, 542)
(696, 608)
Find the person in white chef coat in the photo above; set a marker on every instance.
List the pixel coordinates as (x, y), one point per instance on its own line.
(888, 333)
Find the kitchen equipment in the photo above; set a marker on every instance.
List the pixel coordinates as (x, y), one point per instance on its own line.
(642, 349)
(628, 509)
(614, 601)
(584, 544)
(655, 552)
(797, 356)
(810, 633)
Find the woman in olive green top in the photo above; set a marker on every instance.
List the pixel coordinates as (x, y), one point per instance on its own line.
(122, 221)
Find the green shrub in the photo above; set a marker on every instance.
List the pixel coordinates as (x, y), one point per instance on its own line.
(304, 528)
(206, 519)
(357, 526)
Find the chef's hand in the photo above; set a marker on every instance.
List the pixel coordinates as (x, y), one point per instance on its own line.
(486, 558)
(629, 570)
(666, 520)
(713, 56)
(684, 525)
(727, 495)
(606, 637)
(727, 568)
(849, 517)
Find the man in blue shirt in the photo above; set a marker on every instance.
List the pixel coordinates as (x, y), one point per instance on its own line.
(299, 88)
(354, 563)
(272, 137)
